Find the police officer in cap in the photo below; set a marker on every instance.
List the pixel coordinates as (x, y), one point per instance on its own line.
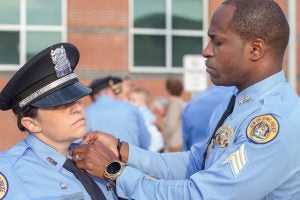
(45, 97)
(109, 114)
(253, 152)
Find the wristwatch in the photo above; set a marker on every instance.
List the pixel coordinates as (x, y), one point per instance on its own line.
(113, 170)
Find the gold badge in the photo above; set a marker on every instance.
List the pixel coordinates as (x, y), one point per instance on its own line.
(223, 136)
(262, 129)
(3, 186)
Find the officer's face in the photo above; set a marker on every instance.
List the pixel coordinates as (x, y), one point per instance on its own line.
(62, 125)
(226, 53)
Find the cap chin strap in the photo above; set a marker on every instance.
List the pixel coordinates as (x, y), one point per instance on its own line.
(46, 88)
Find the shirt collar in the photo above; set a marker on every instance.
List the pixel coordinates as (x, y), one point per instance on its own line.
(259, 89)
(50, 156)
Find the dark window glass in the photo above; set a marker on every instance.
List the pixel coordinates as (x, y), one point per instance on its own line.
(185, 45)
(149, 50)
(44, 12)
(187, 14)
(9, 48)
(149, 14)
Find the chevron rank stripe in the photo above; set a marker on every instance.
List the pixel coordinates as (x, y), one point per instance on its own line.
(237, 160)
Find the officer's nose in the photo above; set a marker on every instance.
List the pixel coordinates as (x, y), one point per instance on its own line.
(76, 107)
(207, 52)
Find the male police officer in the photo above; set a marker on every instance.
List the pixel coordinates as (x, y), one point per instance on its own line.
(254, 151)
(45, 96)
(111, 115)
(197, 113)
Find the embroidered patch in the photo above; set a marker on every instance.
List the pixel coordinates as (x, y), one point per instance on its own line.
(237, 160)
(262, 129)
(3, 186)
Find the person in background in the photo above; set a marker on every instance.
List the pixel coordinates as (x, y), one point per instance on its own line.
(109, 114)
(141, 98)
(172, 121)
(159, 108)
(45, 94)
(127, 86)
(198, 111)
(254, 146)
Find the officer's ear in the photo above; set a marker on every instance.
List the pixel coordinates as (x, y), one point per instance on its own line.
(257, 49)
(32, 125)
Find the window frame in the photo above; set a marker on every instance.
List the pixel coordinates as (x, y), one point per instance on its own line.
(168, 32)
(23, 28)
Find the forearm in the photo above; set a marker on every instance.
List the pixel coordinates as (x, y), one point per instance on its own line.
(166, 166)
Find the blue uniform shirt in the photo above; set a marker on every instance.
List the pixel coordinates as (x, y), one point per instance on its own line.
(197, 113)
(119, 118)
(11, 186)
(39, 168)
(260, 160)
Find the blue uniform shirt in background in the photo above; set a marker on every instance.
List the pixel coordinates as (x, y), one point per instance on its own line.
(119, 118)
(198, 111)
(261, 160)
(38, 173)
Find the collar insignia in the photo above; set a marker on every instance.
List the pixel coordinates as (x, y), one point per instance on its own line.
(244, 99)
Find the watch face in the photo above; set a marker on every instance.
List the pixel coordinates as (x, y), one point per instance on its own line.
(113, 167)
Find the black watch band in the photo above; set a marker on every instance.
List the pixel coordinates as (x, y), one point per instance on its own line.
(119, 145)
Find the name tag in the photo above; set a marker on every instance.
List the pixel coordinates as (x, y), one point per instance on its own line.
(75, 196)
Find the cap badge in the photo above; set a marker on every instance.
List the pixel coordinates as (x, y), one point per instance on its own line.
(61, 62)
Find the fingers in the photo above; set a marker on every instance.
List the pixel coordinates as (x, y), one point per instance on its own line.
(90, 138)
(105, 152)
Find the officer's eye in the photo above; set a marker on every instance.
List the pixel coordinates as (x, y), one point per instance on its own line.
(217, 43)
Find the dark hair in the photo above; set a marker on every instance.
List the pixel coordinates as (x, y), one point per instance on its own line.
(29, 111)
(260, 19)
(174, 86)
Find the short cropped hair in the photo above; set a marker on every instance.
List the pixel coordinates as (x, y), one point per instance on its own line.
(260, 19)
(29, 111)
(174, 86)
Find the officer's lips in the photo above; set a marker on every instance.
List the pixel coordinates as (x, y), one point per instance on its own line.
(79, 121)
(209, 69)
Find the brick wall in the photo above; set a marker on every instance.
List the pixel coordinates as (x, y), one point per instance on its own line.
(100, 30)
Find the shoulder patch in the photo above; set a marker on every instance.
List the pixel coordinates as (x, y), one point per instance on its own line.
(3, 186)
(262, 129)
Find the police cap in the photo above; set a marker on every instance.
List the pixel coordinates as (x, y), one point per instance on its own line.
(46, 80)
(110, 81)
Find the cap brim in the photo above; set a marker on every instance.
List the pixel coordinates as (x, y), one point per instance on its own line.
(63, 96)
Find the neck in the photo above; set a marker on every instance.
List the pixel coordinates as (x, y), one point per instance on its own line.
(62, 147)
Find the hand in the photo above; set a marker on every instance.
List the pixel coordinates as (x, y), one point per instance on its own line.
(93, 157)
(106, 139)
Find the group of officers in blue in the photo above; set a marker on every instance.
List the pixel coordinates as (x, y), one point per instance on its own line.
(251, 153)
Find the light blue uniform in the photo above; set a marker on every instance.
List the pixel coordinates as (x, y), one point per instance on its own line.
(11, 186)
(40, 170)
(197, 113)
(119, 118)
(250, 167)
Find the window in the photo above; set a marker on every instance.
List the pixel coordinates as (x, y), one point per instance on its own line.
(27, 26)
(163, 31)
